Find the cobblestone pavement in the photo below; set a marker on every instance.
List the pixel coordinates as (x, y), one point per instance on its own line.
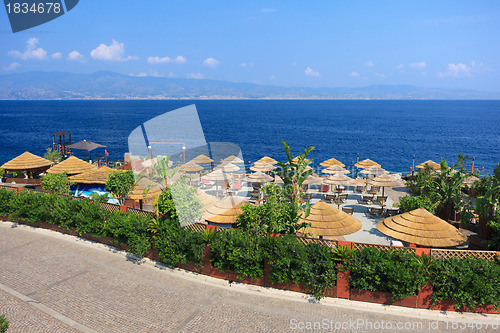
(58, 283)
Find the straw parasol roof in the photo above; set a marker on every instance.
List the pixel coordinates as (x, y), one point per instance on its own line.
(225, 210)
(421, 228)
(385, 180)
(229, 167)
(374, 170)
(313, 180)
(233, 159)
(432, 164)
(99, 176)
(205, 199)
(366, 164)
(72, 165)
(191, 167)
(262, 167)
(332, 162)
(27, 161)
(335, 169)
(267, 159)
(202, 159)
(329, 221)
(258, 177)
(339, 179)
(215, 175)
(145, 183)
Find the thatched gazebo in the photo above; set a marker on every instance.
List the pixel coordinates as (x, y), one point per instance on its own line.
(27, 162)
(366, 164)
(205, 198)
(72, 166)
(421, 228)
(201, 159)
(329, 221)
(223, 213)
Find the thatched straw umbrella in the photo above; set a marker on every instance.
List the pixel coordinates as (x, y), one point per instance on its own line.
(335, 169)
(338, 179)
(205, 198)
(98, 176)
(224, 211)
(267, 159)
(421, 228)
(313, 180)
(262, 167)
(202, 159)
(145, 189)
(332, 162)
(232, 159)
(374, 171)
(384, 181)
(258, 177)
(229, 167)
(27, 162)
(366, 164)
(72, 166)
(191, 167)
(434, 166)
(329, 221)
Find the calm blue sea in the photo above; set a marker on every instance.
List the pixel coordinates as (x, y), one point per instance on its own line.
(389, 132)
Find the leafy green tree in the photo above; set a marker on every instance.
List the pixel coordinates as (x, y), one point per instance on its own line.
(187, 204)
(57, 183)
(442, 188)
(120, 184)
(487, 207)
(408, 203)
(274, 215)
(52, 155)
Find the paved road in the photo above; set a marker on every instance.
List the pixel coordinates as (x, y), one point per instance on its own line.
(57, 283)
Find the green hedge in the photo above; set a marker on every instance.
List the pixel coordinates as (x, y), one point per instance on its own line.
(469, 282)
(84, 215)
(178, 245)
(396, 271)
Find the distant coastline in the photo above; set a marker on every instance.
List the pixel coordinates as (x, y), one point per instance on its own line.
(115, 86)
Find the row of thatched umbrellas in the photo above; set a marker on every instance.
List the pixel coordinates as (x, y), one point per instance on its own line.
(416, 227)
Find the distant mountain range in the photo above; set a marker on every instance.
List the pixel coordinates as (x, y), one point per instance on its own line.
(110, 85)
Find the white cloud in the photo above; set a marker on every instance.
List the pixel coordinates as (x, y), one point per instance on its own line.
(113, 52)
(421, 64)
(369, 64)
(309, 72)
(211, 62)
(57, 55)
(12, 67)
(457, 70)
(158, 60)
(195, 76)
(268, 10)
(354, 74)
(76, 56)
(272, 77)
(380, 75)
(400, 66)
(30, 52)
(246, 64)
(150, 73)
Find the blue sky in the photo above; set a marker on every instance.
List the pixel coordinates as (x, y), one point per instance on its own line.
(446, 44)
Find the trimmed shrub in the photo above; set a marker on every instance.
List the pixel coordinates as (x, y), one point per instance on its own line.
(287, 259)
(468, 282)
(321, 271)
(240, 251)
(178, 245)
(395, 271)
(130, 229)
